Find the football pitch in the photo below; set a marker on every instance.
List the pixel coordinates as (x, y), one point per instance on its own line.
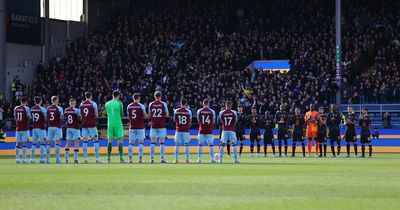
(255, 183)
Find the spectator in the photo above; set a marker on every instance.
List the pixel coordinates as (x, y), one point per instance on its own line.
(386, 120)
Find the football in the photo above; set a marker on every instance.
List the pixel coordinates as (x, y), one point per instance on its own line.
(216, 156)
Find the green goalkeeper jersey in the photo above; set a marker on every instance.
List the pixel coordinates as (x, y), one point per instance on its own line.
(114, 109)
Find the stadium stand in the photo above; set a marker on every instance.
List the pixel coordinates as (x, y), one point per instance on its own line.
(203, 49)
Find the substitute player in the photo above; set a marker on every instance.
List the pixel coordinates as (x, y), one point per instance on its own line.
(351, 135)
(38, 116)
(255, 133)
(311, 121)
(158, 111)
(268, 133)
(115, 130)
(183, 119)
(54, 133)
(136, 114)
(365, 125)
(72, 118)
(206, 119)
(281, 118)
(240, 128)
(333, 122)
(22, 116)
(228, 118)
(89, 113)
(321, 133)
(298, 125)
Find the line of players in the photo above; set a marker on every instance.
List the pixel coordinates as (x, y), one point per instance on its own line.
(313, 126)
(232, 123)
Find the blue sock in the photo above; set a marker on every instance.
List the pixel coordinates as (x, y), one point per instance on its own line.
(76, 154)
(162, 151)
(187, 151)
(221, 151)
(24, 152)
(17, 148)
(84, 145)
(212, 152)
(199, 151)
(176, 152)
(152, 148)
(130, 151)
(66, 153)
(42, 149)
(97, 149)
(140, 150)
(48, 149)
(235, 152)
(33, 150)
(58, 152)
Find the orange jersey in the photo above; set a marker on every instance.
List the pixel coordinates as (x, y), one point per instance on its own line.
(311, 121)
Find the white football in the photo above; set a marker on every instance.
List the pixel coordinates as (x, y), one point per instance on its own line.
(216, 156)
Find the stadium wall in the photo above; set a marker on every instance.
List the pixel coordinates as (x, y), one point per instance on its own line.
(21, 59)
(388, 141)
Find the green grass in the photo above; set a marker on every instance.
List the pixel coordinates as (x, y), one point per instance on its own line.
(256, 183)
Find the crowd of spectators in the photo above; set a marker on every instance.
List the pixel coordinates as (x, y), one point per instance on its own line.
(202, 49)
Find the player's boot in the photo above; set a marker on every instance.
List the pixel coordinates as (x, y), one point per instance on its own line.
(251, 155)
(293, 155)
(362, 156)
(258, 154)
(273, 155)
(122, 161)
(130, 161)
(24, 161)
(76, 161)
(141, 160)
(347, 156)
(176, 162)
(66, 161)
(47, 161)
(42, 162)
(320, 156)
(151, 160)
(198, 161)
(58, 161)
(187, 161)
(109, 161)
(86, 162)
(99, 162)
(163, 161)
(333, 156)
(32, 161)
(18, 161)
(237, 161)
(220, 161)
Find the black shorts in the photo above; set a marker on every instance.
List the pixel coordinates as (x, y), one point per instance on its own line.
(333, 138)
(365, 139)
(321, 137)
(268, 138)
(254, 137)
(350, 137)
(281, 135)
(240, 136)
(298, 137)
